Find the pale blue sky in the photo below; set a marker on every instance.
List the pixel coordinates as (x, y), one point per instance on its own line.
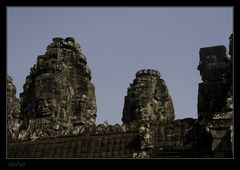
(119, 41)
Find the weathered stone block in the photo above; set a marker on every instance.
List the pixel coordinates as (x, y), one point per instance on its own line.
(218, 133)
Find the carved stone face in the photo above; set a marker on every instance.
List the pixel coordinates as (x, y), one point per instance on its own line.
(144, 111)
(47, 107)
(42, 107)
(46, 102)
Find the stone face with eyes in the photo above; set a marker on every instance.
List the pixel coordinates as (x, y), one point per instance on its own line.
(148, 99)
(57, 83)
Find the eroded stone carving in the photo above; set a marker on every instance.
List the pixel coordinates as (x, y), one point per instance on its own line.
(13, 110)
(148, 99)
(215, 97)
(147, 105)
(59, 88)
(215, 69)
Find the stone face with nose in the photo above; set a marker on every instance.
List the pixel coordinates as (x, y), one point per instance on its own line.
(43, 108)
(147, 99)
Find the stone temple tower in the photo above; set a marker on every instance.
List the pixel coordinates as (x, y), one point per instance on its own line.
(147, 106)
(148, 99)
(59, 87)
(13, 109)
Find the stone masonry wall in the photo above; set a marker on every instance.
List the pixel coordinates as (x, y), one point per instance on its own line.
(83, 146)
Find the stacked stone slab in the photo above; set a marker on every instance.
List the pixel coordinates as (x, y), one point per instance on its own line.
(215, 99)
(58, 93)
(13, 110)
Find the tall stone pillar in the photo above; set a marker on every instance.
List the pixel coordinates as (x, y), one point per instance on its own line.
(215, 102)
(147, 104)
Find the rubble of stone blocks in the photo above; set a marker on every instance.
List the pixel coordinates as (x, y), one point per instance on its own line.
(59, 87)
